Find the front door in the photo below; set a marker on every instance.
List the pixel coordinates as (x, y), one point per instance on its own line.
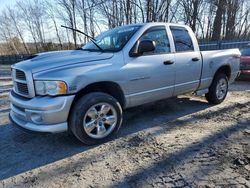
(152, 74)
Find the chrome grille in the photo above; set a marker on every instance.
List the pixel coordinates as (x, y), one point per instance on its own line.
(20, 82)
(20, 75)
(22, 88)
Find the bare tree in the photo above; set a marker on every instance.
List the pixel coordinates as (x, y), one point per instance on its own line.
(24, 8)
(217, 26)
(7, 32)
(69, 15)
(232, 10)
(16, 24)
(81, 7)
(51, 13)
(34, 25)
(191, 10)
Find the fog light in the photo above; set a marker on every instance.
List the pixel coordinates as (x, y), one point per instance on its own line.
(36, 117)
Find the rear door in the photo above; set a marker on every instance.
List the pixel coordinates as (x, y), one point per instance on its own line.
(188, 61)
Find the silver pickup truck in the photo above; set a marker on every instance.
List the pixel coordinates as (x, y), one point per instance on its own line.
(86, 90)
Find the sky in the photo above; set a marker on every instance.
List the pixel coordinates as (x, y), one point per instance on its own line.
(4, 3)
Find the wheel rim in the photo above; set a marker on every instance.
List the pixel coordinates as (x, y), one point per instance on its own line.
(100, 120)
(221, 88)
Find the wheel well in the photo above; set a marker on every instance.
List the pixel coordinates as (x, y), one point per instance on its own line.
(110, 88)
(224, 69)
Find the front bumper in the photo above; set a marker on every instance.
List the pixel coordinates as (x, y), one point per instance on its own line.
(41, 114)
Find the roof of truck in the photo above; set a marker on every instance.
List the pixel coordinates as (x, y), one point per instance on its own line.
(154, 23)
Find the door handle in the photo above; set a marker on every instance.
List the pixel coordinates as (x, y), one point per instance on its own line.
(169, 62)
(195, 59)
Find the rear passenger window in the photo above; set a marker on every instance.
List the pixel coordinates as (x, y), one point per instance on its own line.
(182, 39)
(159, 36)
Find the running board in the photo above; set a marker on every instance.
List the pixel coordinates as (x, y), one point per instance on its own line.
(201, 92)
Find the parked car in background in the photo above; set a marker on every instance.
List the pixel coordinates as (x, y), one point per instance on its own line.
(245, 63)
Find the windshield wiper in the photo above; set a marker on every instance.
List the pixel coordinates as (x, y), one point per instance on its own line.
(91, 38)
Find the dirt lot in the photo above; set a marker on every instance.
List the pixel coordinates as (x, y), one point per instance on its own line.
(179, 142)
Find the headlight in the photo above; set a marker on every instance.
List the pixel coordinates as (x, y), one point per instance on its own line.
(50, 88)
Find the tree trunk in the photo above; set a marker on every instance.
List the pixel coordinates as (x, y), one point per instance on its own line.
(218, 20)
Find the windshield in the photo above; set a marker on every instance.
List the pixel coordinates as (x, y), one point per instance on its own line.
(112, 40)
(245, 52)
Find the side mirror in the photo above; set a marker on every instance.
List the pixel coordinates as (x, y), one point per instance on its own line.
(142, 47)
(146, 46)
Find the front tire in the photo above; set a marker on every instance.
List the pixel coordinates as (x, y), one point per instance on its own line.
(218, 89)
(95, 118)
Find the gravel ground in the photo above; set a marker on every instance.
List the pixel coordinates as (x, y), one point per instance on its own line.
(178, 142)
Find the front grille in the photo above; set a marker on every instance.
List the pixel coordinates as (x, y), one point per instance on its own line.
(20, 82)
(242, 66)
(20, 75)
(22, 88)
(245, 66)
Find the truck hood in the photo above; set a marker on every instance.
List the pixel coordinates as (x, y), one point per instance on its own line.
(51, 60)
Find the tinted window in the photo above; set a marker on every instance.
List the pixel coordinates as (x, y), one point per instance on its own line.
(182, 39)
(159, 36)
(245, 52)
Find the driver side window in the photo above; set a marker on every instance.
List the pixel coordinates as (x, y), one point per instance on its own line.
(159, 36)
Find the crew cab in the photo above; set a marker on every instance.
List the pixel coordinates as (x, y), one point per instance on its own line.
(85, 91)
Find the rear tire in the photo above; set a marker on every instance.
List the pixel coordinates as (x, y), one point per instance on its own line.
(218, 89)
(95, 118)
